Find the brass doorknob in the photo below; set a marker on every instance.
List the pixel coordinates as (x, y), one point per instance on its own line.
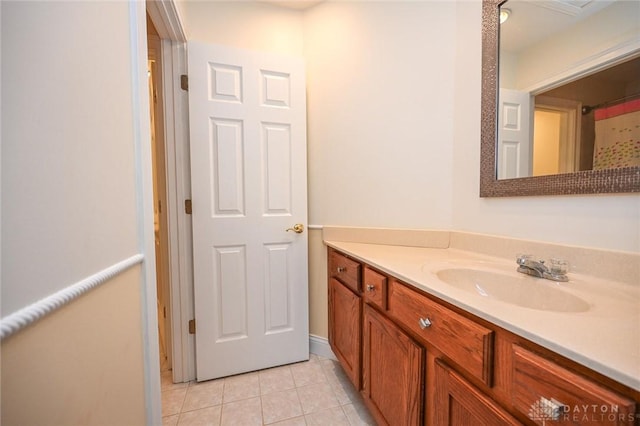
(298, 228)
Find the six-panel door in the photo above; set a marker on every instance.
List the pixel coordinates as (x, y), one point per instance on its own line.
(247, 119)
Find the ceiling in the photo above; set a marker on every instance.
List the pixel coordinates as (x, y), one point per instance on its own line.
(532, 21)
(294, 4)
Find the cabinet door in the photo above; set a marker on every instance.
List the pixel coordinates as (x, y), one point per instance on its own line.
(393, 372)
(345, 313)
(546, 391)
(458, 403)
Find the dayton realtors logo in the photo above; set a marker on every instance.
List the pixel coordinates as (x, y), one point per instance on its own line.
(544, 410)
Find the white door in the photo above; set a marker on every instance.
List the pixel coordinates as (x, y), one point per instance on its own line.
(247, 117)
(514, 134)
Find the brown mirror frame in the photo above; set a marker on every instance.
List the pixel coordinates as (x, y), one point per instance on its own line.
(621, 180)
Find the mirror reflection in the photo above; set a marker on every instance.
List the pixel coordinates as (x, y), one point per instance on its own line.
(569, 87)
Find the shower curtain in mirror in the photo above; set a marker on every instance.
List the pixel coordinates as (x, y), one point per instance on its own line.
(617, 141)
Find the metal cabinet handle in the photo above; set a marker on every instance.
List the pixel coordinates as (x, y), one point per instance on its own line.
(371, 287)
(341, 269)
(424, 323)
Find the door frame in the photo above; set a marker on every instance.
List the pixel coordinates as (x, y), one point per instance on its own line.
(159, 195)
(166, 19)
(570, 141)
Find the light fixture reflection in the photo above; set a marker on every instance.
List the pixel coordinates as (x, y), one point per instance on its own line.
(504, 15)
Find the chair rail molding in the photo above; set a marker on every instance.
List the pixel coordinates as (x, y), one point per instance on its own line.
(20, 319)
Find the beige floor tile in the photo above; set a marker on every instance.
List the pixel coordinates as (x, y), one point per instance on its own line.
(239, 387)
(332, 416)
(247, 412)
(315, 392)
(170, 420)
(317, 397)
(297, 421)
(281, 405)
(333, 369)
(172, 401)
(166, 382)
(307, 373)
(358, 415)
(314, 358)
(344, 390)
(276, 379)
(339, 381)
(204, 394)
(204, 417)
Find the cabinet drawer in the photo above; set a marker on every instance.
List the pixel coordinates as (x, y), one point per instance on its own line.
(544, 391)
(460, 339)
(375, 288)
(344, 269)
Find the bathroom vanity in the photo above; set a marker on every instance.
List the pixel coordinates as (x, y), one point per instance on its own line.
(423, 349)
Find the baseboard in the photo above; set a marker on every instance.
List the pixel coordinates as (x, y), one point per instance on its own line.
(320, 346)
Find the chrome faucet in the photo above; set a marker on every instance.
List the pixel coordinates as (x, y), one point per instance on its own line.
(537, 268)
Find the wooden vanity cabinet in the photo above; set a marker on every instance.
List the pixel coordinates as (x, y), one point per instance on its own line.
(345, 314)
(424, 361)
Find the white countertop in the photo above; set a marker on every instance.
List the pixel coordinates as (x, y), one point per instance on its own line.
(605, 338)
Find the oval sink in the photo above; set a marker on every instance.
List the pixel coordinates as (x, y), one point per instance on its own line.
(525, 291)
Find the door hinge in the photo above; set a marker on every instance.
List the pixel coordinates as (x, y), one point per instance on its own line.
(184, 82)
(192, 326)
(187, 206)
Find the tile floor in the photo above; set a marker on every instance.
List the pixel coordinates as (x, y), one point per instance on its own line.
(316, 392)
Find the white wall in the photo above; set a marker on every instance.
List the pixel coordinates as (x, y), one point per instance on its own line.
(76, 200)
(380, 113)
(386, 148)
(68, 199)
(246, 25)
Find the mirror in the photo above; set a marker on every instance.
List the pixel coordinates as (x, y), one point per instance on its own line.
(517, 80)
